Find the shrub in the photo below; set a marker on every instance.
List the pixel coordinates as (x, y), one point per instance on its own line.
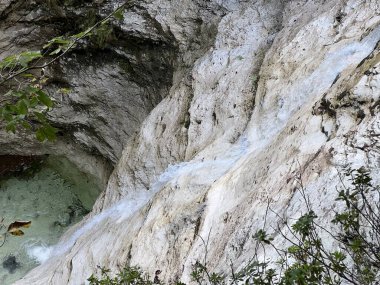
(127, 276)
(307, 260)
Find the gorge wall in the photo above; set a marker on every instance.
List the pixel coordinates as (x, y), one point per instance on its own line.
(205, 111)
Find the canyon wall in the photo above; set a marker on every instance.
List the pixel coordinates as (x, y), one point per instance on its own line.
(223, 105)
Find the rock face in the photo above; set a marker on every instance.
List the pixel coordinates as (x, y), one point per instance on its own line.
(114, 83)
(252, 94)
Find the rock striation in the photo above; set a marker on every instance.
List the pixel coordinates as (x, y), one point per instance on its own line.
(223, 104)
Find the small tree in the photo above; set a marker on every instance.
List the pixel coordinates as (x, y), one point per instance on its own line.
(308, 261)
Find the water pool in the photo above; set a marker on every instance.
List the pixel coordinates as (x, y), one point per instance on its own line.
(53, 197)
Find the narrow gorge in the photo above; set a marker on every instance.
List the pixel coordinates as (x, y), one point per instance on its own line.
(182, 123)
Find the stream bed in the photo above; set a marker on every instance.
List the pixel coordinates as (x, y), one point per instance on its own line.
(53, 197)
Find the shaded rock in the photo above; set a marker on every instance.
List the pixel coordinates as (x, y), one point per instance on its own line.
(11, 164)
(10, 263)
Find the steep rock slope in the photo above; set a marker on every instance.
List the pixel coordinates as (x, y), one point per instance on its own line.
(285, 87)
(114, 81)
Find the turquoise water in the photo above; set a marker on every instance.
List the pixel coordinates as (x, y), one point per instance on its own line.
(53, 198)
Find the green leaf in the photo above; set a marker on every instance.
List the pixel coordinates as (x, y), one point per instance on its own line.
(26, 125)
(119, 14)
(28, 75)
(9, 62)
(44, 98)
(40, 135)
(18, 94)
(28, 56)
(6, 115)
(10, 109)
(40, 116)
(11, 127)
(262, 236)
(56, 51)
(304, 224)
(33, 102)
(46, 132)
(59, 41)
(294, 249)
(22, 107)
(50, 132)
(338, 256)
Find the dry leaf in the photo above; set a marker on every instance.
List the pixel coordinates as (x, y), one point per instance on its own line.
(16, 232)
(14, 228)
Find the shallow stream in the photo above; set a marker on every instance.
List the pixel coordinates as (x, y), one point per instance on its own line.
(52, 197)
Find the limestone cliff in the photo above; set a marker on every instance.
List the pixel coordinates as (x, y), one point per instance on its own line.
(223, 103)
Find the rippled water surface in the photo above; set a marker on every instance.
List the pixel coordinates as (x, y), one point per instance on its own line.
(52, 198)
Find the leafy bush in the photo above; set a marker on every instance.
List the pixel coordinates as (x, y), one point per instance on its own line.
(27, 108)
(307, 260)
(127, 276)
(25, 104)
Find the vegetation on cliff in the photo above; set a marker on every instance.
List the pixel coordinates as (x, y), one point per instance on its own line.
(24, 101)
(349, 255)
